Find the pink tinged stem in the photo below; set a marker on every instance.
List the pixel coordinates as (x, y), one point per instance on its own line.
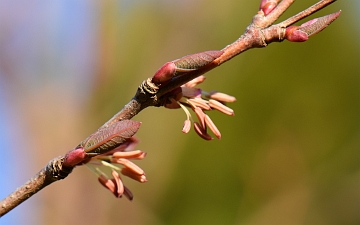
(212, 127)
(221, 107)
(201, 132)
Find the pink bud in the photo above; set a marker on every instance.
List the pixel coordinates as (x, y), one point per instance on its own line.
(74, 157)
(164, 74)
(294, 35)
(268, 7)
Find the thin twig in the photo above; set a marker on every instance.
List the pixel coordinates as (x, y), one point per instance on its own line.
(307, 12)
(52, 172)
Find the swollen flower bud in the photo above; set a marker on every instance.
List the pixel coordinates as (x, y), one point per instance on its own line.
(164, 74)
(267, 6)
(74, 157)
(310, 28)
(293, 34)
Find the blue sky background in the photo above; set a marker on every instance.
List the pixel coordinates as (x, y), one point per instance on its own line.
(40, 43)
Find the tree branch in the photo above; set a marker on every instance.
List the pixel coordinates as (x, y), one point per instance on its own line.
(160, 89)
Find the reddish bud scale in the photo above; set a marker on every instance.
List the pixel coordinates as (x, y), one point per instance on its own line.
(267, 6)
(196, 61)
(75, 157)
(294, 35)
(164, 74)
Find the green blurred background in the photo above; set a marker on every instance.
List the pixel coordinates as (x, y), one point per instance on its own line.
(290, 155)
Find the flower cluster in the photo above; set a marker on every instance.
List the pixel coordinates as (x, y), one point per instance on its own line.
(118, 160)
(200, 101)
